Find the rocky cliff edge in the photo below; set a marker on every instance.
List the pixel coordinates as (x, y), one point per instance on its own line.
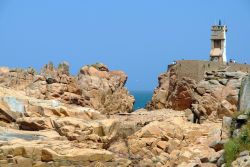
(95, 86)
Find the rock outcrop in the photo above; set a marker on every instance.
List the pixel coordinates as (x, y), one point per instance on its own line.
(105, 89)
(16, 78)
(217, 93)
(52, 150)
(54, 133)
(242, 161)
(95, 86)
(168, 140)
(55, 119)
(47, 133)
(172, 93)
(244, 96)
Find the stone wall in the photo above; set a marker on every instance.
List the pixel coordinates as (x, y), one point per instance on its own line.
(195, 69)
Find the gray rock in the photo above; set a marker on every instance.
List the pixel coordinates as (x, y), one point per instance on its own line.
(209, 77)
(242, 117)
(55, 103)
(234, 83)
(220, 161)
(14, 104)
(213, 159)
(245, 94)
(236, 75)
(220, 74)
(226, 127)
(190, 118)
(216, 157)
(202, 87)
(223, 81)
(11, 108)
(236, 133)
(7, 136)
(201, 90)
(7, 115)
(242, 161)
(226, 123)
(244, 153)
(214, 82)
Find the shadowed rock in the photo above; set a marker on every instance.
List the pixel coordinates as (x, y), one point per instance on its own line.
(244, 96)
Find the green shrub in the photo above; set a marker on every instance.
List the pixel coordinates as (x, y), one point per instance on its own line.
(247, 112)
(231, 151)
(236, 145)
(244, 137)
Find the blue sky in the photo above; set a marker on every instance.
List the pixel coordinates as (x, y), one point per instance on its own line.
(140, 37)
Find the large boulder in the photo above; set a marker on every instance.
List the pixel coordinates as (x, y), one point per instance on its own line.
(34, 123)
(56, 153)
(243, 161)
(6, 114)
(161, 93)
(105, 89)
(101, 132)
(183, 95)
(77, 156)
(11, 108)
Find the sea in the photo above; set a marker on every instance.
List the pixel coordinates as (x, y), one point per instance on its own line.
(141, 98)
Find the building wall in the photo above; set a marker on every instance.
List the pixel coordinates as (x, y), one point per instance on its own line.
(195, 69)
(224, 49)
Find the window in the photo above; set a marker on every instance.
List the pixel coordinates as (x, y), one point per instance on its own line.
(217, 43)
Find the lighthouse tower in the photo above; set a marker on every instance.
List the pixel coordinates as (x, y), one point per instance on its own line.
(218, 43)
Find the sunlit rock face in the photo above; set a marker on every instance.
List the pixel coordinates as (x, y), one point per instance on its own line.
(217, 93)
(14, 104)
(11, 108)
(95, 86)
(50, 132)
(105, 89)
(55, 119)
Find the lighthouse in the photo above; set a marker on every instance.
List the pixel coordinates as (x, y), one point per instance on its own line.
(218, 43)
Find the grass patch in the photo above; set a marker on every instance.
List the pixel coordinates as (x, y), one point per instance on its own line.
(236, 145)
(231, 151)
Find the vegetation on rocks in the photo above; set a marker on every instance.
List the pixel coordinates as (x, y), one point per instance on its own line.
(236, 145)
(84, 120)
